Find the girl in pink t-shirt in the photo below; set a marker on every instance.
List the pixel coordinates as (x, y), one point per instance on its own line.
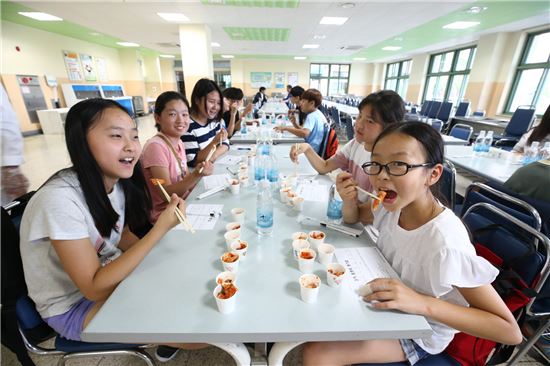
(163, 155)
(376, 112)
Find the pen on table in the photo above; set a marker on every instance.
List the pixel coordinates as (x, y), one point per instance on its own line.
(244, 148)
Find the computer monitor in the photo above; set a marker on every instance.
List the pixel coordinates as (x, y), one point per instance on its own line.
(126, 102)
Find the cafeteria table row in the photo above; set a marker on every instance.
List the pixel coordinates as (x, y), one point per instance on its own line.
(169, 298)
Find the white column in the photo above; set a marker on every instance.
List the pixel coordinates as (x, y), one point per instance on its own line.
(196, 54)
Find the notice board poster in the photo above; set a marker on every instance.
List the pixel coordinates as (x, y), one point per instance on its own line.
(72, 64)
(101, 67)
(88, 67)
(292, 78)
(279, 80)
(259, 79)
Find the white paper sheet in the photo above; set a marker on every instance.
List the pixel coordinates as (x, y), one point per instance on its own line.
(229, 160)
(215, 180)
(364, 265)
(313, 192)
(202, 217)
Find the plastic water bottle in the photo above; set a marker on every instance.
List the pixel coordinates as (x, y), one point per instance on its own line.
(243, 128)
(478, 144)
(545, 151)
(334, 208)
(488, 141)
(264, 209)
(272, 170)
(259, 168)
(532, 153)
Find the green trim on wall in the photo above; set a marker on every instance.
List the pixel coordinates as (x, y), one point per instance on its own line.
(255, 3)
(9, 12)
(257, 34)
(497, 13)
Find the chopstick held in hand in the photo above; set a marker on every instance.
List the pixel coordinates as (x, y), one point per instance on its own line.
(181, 217)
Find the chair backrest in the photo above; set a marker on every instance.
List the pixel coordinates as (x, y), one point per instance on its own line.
(445, 111)
(462, 109)
(521, 121)
(448, 183)
(434, 109)
(437, 124)
(426, 107)
(462, 131)
(479, 113)
(480, 192)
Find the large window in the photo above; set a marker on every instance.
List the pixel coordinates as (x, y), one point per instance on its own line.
(448, 74)
(532, 83)
(329, 79)
(397, 77)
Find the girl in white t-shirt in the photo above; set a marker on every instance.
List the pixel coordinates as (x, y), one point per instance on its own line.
(163, 155)
(77, 232)
(442, 278)
(376, 112)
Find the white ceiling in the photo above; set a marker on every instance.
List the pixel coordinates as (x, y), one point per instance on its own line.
(369, 22)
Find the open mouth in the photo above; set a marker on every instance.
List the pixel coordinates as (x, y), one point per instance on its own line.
(390, 195)
(127, 161)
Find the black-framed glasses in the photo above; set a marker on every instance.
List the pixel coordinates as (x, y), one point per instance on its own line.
(395, 168)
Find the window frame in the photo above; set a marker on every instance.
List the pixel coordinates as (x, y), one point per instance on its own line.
(452, 71)
(522, 66)
(400, 77)
(330, 78)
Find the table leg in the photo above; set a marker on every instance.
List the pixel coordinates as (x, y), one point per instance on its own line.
(237, 350)
(279, 351)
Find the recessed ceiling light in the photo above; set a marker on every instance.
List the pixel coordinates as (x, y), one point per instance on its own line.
(310, 46)
(228, 56)
(128, 44)
(391, 48)
(173, 17)
(398, 39)
(167, 56)
(215, 44)
(476, 9)
(95, 34)
(333, 20)
(43, 17)
(359, 58)
(346, 5)
(300, 57)
(460, 25)
(319, 36)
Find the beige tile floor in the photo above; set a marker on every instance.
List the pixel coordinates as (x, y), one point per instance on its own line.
(44, 155)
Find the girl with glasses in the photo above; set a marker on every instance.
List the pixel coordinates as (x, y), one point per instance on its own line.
(442, 278)
(377, 111)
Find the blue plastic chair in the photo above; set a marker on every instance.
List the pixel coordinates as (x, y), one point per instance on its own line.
(521, 122)
(426, 107)
(29, 322)
(462, 131)
(434, 109)
(436, 124)
(462, 109)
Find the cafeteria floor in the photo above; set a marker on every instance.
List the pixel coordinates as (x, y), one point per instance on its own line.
(44, 155)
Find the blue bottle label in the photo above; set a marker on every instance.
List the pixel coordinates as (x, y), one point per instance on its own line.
(334, 209)
(264, 219)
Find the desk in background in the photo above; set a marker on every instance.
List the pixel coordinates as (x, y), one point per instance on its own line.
(347, 109)
(274, 108)
(168, 297)
(487, 124)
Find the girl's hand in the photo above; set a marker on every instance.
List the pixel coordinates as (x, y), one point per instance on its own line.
(391, 293)
(168, 219)
(220, 135)
(279, 129)
(248, 109)
(345, 185)
(208, 168)
(294, 152)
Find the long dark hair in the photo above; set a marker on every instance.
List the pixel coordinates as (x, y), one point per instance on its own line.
(202, 88)
(164, 99)
(543, 128)
(388, 107)
(81, 117)
(432, 144)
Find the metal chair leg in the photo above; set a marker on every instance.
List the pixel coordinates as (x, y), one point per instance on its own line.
(527, 346)
(135, 353)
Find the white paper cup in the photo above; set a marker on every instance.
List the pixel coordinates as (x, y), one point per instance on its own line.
(225, 306)
(309, 287)
(283, 193)
(325, 253)
(335, 274)
(297, 245)
(245, 181)
(226, 277)
(306, 265)
(238, 214)
(231, 236)
(234, 186)
(243, 165)
(290, 195)
(230, 266)
(298, 203)
(292, 180)
(244, 159)
(233, 226)
(316, 237)
(299, 235)
(234, 247)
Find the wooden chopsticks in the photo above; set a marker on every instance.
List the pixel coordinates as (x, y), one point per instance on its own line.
(208, 157)
(368, 193)
(179, 214)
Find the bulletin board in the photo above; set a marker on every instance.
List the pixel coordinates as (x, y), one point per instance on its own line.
(292, 78)
(88, 67)
(101, 67)
(72, 64)
(279, 80)
(259, 79)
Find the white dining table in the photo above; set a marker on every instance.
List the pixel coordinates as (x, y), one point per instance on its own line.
(169, 296)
